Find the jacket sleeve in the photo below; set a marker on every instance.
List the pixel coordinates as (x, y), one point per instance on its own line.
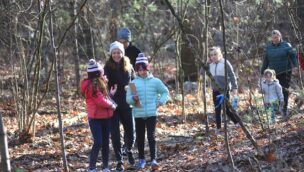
(265, 61)
(102, 101)
(293, 56)
(129, 97)
(133, 75)
(232, 76)
(163, 91)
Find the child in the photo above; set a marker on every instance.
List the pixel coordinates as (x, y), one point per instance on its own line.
(100, 110)
(151, 93)
(217, 69)
(273, 95)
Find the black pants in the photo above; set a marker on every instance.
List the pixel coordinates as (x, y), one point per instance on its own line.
(125, 117)
(284, 79)
(218, 110)
(141, 124)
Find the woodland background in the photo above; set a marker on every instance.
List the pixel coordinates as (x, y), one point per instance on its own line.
(45, 45)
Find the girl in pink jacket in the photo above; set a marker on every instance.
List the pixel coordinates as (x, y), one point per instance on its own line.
(100, 109)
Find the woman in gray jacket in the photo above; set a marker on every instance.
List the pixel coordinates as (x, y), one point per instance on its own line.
(273, 95)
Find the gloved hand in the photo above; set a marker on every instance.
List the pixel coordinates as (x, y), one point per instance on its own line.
(135, 97)
(234, 103)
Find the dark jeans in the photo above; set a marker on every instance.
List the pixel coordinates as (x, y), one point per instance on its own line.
(272, 109)
(100, 129)
(141, 125)
(284, 79)
(218, 110)
(125, 117)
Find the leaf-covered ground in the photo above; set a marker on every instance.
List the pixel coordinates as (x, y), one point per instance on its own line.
(183, 144)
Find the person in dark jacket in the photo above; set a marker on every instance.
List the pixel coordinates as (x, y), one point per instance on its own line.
(124, 36)
(120, 72)
(131, 51)
(280, 56)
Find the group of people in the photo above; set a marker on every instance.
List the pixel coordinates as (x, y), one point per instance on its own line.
(112, 94)
(125, 92)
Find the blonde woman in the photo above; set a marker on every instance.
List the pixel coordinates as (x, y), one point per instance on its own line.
(120, 72)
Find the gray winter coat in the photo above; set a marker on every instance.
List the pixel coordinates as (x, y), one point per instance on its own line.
(272, 91)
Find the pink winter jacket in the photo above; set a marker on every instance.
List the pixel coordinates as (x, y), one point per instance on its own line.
(98, 106)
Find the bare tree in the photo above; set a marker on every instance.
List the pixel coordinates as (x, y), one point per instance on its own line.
(5, 162)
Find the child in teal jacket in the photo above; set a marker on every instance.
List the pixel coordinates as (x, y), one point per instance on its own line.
(151, 92)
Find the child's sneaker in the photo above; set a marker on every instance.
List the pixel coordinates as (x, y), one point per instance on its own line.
(154, 165)
(141, 164)
(106, 170)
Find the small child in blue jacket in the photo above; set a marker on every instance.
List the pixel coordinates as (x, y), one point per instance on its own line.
(151, 92)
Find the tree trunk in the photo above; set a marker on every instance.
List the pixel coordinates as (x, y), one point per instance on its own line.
(300, 13)
(5, 162)
(207, 10)
(64, 159)
(76, 52)
(115, 6)
(226, 89)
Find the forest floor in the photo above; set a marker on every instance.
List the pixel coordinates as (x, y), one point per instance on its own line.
(182, 141)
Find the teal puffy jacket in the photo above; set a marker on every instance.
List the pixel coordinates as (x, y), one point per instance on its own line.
(279, 57)
(151, 91)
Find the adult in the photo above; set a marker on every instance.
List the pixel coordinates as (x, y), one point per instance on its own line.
(124, 36)
(120, 72)
(280, 56)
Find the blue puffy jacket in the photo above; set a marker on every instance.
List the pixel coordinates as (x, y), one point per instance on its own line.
(151, 91)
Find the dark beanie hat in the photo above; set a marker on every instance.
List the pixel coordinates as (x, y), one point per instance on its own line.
(125, 34)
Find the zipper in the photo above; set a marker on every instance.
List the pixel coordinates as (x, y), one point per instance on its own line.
(145, 96)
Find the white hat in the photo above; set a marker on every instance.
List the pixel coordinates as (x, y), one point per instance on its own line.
(117, 45)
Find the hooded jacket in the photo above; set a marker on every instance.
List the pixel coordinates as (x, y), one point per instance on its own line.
(98, 106)
(132, 52)
(272, 91)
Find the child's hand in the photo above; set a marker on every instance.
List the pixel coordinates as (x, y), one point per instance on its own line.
(113, 89)
(126, 87)
(135, 97)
